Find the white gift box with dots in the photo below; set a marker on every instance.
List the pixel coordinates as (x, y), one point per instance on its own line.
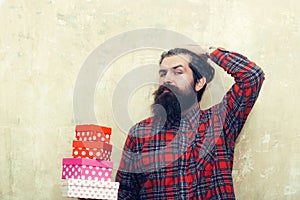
(87, 169)
(78, 188)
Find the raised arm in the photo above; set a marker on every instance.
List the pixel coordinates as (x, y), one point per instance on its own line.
(239, 100)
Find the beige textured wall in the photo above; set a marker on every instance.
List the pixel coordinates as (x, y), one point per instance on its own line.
(44, 43)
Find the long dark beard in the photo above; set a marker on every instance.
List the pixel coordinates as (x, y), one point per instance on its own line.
(169, 103)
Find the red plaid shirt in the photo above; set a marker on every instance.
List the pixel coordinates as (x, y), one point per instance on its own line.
(191, 160)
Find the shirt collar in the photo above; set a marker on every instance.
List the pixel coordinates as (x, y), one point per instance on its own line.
(193, 115)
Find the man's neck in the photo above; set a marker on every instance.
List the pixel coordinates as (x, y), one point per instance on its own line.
(190, 108)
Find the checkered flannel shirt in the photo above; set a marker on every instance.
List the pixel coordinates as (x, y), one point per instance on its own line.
(191, 160)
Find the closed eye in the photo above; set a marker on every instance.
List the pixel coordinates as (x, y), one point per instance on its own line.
(178, 72)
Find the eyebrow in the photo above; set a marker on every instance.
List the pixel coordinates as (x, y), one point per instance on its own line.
(173, 68)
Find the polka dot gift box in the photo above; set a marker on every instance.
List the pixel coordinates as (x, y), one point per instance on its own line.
(88, 174)
(91, 132)
(90, 189)
(87, 169)
(92, 149)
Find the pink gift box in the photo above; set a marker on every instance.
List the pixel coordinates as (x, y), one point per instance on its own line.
(78, 188)
(87, 169)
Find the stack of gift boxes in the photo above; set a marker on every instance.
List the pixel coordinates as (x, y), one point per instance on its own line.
(88, 174)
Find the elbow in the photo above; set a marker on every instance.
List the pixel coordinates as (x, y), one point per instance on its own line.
(253, 78)
(260, 75)
(257, 77)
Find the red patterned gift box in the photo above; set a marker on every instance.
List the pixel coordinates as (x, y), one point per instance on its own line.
(92, 149)
(91, 132)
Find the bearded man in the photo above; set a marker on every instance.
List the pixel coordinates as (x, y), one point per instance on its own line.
(182, 151)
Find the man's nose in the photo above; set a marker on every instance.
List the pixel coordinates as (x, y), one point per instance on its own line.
(169, 78)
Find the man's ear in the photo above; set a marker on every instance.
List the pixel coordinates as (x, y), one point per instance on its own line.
(200, 83)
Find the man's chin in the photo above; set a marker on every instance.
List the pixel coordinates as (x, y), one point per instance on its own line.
(166, 107)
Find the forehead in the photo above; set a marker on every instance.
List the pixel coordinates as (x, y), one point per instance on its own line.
(176, 60)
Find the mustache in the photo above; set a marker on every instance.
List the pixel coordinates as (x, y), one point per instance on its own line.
(166, 88)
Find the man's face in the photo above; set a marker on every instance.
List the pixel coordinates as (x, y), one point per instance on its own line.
(175, 71)
(176, 92)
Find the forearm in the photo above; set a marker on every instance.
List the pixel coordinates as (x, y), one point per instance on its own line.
(239, 100)
(238, 66)
(128, 188)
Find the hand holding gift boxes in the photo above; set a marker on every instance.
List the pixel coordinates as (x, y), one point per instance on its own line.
(88, 174)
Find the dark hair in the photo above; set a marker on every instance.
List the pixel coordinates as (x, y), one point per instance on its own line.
(198, 65)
